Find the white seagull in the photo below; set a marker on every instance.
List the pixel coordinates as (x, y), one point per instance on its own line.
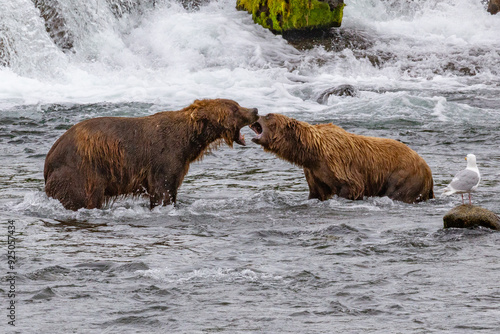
(466, 181)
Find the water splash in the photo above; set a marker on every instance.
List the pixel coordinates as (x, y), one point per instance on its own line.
(130, 51)
(208, 274)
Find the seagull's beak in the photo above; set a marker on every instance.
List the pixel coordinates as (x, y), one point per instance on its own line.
(465, 158)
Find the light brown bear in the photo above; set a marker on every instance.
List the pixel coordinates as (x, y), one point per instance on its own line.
(102, 158)
(337, 162)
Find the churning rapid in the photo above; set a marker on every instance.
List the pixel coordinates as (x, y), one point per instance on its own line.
(245, 250)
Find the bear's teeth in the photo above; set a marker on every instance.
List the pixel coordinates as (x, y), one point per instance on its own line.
(241, 140)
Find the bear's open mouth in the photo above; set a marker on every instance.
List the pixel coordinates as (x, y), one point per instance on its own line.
(257, 128)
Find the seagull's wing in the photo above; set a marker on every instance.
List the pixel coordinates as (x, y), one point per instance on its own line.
(464, 181)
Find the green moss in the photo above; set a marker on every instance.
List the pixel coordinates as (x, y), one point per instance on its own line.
(287, 15)
(468, 216)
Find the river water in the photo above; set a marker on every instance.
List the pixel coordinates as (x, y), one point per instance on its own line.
(245, 251)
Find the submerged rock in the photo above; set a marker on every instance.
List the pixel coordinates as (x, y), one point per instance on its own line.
(466, 216)
(119, 8)
(4, 47)
(55, 23)
(64, 21)
(193, 4)
(342, 90)
(281, 16)
(494, 6)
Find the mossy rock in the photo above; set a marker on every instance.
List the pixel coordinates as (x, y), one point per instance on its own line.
(467, 216)
(294, 15)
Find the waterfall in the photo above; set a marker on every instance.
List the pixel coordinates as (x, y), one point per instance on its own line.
(34, 34)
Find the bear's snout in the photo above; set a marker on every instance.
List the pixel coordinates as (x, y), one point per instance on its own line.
(253, 114)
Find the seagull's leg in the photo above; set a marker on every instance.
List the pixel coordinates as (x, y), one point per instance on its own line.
(470, 201)
(462, 198)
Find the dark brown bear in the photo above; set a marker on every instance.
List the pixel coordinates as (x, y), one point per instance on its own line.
(102, 158)
(337, 162)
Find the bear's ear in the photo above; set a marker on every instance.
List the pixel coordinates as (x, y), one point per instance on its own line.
(199, 112)
(207, 115)
(198, 116)
(292, 124)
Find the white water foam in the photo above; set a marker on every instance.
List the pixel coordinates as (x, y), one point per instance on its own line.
(440, 45)
(38, 203)
(453, 21)
(208, 274)
(172, 56)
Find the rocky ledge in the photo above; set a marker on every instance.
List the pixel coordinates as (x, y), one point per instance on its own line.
(281, 16)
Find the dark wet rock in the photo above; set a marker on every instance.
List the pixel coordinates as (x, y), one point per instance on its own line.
(53, 13)
(335, 40)
(55, 23)
(467, 216)
(5, 47)
(457, 69)
(342, 90)
(120, 8)
(494, 6)
(282, 16)
(124, 7)
(193, 4)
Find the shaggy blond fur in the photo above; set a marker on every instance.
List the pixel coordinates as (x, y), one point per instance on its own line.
(337, 162)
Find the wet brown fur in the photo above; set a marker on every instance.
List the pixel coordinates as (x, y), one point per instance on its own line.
(102, 158)
(337, 162)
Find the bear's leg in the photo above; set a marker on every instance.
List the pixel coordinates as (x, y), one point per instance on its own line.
(74, 190)
(406, 188)
(94, 189)
(350, 191)
(163, 192)
(417, 189)
(392, 187)
(317, 188)
(66, 186)
(163, 198)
